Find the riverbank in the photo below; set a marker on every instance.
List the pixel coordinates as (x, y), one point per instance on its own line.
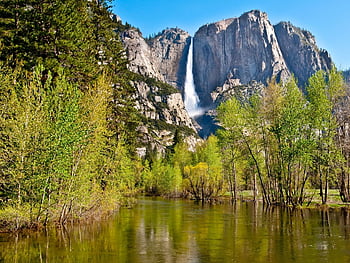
(21, 219)
(27, 218)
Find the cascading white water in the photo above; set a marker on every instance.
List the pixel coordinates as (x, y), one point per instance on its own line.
(191, 97)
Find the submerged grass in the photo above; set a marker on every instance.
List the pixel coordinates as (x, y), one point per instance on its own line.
(312, 200)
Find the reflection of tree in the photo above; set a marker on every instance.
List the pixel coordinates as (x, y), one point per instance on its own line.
(325, 222)
(345, 222)
(159, 230)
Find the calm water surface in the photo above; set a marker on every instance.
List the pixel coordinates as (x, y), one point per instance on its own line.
(159, 230)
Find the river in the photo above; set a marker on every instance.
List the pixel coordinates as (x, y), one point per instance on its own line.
(159, 230)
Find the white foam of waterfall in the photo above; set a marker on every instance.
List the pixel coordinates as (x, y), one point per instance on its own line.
(191, 97)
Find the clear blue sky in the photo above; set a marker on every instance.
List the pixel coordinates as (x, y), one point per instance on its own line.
(327, 20)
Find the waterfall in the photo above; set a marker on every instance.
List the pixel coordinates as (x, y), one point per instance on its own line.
(191, 97)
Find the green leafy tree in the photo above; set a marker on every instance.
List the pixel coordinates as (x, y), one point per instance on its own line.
(205, 179)
(295, 147)
(242, 138)
(12, 18)
(22, 127)
(229, 114)
(323, 92)
(154, 177)
(59, 154)
(181, 156)
(42, 132)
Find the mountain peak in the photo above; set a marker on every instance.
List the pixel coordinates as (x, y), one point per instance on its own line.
(255, 13)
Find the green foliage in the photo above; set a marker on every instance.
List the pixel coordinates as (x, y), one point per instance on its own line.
(75, 34)
(241, 142)
(161, 178)
(182, 156)
(287, 136)
(196, 174)
(78, 36)
(204, 180)
(198, 181)
(60, 155)
(41, 135)
(324, 91)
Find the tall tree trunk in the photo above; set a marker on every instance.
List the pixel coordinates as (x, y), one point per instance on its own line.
(234, 175)
(255, 189)
(265, 196)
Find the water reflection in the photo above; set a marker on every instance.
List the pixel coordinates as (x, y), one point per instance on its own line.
(160, 230)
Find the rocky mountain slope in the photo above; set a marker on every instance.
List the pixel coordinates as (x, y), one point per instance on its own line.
(236, 51)
(160, 104)
(169, 49)
(346, 75)
(236, 56)
(300, 52)
(239, 49)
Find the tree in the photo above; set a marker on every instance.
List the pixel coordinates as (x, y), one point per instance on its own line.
(22, 125)
(294, 144)
(78, 35)
(270, 110)
(205, 179)
(229, 114)
(342, 114)
(67, 117)
(42, 132)
(323, 91)
(271, 132)
(59, 154)
(243, 133)
(12, 14)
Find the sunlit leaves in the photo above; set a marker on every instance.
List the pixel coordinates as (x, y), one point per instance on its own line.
(293, 134)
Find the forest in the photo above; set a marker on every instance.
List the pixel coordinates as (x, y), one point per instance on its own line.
(67, 119)
(68, 133)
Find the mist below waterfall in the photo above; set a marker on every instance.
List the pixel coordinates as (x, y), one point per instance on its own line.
(190, 94)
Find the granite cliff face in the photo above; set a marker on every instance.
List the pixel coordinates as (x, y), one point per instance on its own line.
(232, 57)
(156, 67)
(236, 51)
(164, 114)
(162, 57)
(169, 49)
(300, 51)
(159, 103)
(346, 75)
(139, 54)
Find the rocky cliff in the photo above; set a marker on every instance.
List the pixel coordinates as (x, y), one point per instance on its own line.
(160, 104)
(169, 49)
(346, 75)
(232, 57)
(236, 51)
(300, 51)
(139, 54)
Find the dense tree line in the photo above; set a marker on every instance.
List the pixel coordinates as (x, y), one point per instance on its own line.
(289, 137)
(59, 156)
(278, 144)
(183, 173)
(67, 119)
